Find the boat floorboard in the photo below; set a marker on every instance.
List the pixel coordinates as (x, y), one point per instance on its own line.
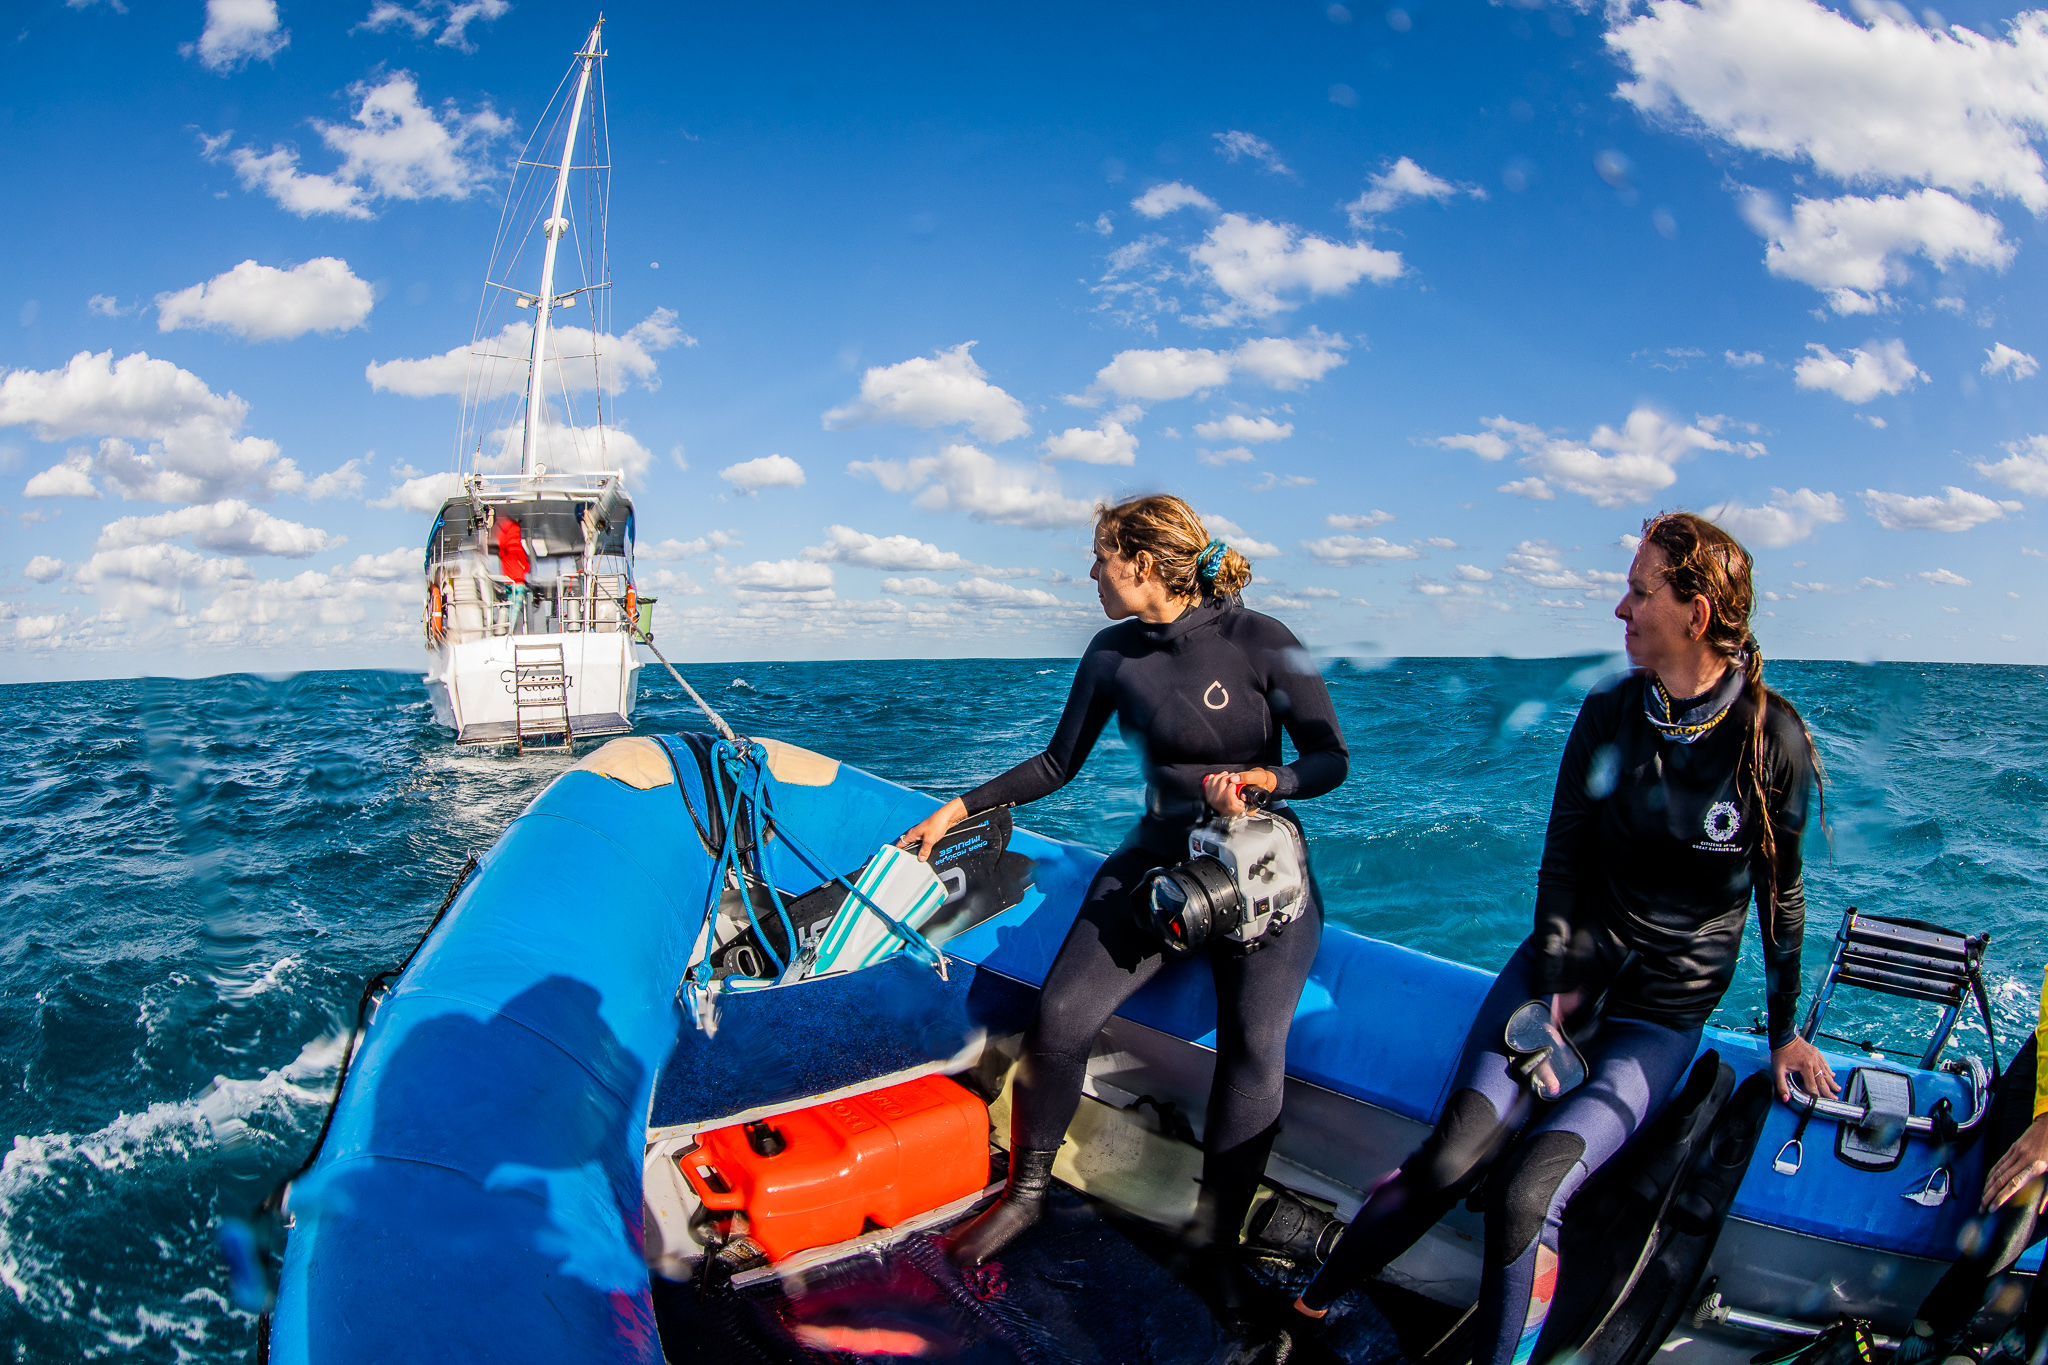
(1084, 1287)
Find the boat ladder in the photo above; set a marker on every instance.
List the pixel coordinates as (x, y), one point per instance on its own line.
(540, 697)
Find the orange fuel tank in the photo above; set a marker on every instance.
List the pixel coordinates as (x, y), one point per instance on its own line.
(815, 1176)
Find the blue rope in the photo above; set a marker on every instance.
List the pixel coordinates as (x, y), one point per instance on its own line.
(744, 764)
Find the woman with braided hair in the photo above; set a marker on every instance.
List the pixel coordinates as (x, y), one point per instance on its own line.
(1681, 797)
(1201, 688)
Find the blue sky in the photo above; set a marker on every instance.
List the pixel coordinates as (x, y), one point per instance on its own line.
(1429, 306)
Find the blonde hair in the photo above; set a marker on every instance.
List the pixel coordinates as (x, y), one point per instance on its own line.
(1167, 529)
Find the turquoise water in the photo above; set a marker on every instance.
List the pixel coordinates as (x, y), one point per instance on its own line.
(196, 877)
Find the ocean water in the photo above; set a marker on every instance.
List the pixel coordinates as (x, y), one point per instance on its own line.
(196, 878)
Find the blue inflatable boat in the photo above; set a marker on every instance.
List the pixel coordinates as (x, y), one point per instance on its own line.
(516, 1168)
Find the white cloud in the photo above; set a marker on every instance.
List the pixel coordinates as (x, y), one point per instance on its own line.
(231, 525)
(43, 569)
(1349, 550)
(1172, 372)
(770, 471)
(2024, 468)
(784, 579)
(1107, 443)
(1541, 564)
(963, 479)
(1161, 200)
(1850, 248)
(2003, 359)
(1254, 262)
(134, 581)
(1954, 509)
(194, 455)
(397, 149)
(238, 32)
(1472, 573)
(565, 447)
(1871, 369)
(423, 493)
(1400, 182)
(1235, 144)
(1785, 520)
(690, 549)
(1742, 360)
(1154, 376)
(1229, 455)
(106, 305)
(1238, 538)
(263, 303)
(454, 17)
(976, 591)
(498, 364)
(946, 389)
(1943, 578)
(1885, 101)
(844, 545)
(1642, 459)
(1365, 522)
(1249, 430)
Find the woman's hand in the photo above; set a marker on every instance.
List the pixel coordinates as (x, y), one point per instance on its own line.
(2023, 1163)
(1802, 1059)
(1220, 789)
(928, 831)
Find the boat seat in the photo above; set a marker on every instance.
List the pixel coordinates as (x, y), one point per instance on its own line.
(1913, 960)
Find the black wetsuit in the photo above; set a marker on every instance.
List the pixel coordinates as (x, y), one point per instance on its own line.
(1209, 692)
(1648, 868)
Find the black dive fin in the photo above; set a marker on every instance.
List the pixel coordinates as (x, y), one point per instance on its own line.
(1610, 1229)
(1669, 1281)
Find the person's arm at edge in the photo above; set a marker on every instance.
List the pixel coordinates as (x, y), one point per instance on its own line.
(2026, 1161)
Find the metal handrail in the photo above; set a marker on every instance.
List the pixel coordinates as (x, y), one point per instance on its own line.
(1969, 1068)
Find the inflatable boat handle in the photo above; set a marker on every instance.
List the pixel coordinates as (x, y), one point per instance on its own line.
(1857, 1115)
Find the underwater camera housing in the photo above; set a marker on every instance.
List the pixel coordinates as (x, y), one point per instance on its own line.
(1245, 875)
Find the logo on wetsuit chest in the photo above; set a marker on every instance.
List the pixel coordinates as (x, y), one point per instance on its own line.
(1217, 697)
(1722, 824)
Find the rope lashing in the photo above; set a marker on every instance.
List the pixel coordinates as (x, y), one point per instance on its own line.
(744, 764)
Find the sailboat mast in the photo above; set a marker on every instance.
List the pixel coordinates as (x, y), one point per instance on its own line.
(555, 227)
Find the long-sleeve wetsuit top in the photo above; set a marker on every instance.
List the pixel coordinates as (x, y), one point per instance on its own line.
(1652, 851)
(1209, 692)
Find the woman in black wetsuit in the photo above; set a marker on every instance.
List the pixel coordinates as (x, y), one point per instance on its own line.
(1202, 688)
(1682, 794)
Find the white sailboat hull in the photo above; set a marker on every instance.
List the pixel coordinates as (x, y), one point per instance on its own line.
(470, 683)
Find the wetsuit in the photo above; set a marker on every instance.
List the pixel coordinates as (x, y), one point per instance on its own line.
(1209, 692)
(1648, 868)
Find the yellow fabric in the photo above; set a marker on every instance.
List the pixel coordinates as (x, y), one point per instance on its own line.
(2040, 1037)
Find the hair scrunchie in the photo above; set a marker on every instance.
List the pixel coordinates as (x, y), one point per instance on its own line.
(1211, 561)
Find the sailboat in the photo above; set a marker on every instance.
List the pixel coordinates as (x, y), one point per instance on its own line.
(531, 611)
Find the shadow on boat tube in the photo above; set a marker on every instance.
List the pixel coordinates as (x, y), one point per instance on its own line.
(550, 1192)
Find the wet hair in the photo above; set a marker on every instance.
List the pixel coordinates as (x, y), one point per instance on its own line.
(1702, 560)
(1187, 559)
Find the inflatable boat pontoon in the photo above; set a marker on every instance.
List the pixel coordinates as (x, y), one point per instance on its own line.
(565, 1125)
